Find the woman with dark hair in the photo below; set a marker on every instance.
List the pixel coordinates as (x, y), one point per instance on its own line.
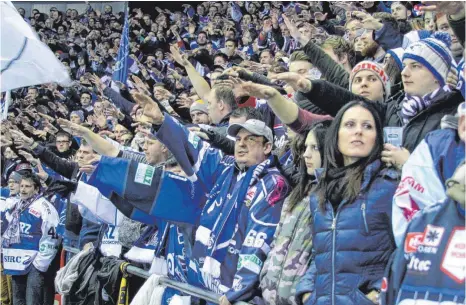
(351, 206)
(291, 248)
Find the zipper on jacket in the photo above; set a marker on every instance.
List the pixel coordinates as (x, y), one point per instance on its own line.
(334, 232)
(363, 209)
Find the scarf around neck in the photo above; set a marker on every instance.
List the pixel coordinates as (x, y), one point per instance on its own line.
(412, 105)
(13, 233)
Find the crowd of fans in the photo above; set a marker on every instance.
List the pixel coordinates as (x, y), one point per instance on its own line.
(268, 152)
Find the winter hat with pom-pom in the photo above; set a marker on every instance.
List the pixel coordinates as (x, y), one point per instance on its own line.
(434, 54)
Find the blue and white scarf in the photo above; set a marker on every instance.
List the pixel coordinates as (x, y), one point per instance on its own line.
(412, 105)
(13, 233)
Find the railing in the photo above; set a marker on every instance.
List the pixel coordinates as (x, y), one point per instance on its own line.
(165, 281)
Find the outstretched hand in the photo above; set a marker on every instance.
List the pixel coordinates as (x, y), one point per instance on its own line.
(74, 129)
(151, 111)
(295, 80)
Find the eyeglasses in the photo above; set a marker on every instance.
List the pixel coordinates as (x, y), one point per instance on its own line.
(249, 140)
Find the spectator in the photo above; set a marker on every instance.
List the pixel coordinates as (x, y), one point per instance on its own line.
(435, 158)
(199, 113)
(429, 244)
(35, 242)
(352, 174)
(62, 147)
(292, 243)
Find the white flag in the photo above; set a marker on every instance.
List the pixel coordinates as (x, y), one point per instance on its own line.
(25, 60)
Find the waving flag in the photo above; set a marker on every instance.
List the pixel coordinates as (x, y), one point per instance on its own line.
(24, 59)
(120, 70)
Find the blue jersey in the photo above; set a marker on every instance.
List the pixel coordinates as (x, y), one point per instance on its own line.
(429, 268)
(38, 238)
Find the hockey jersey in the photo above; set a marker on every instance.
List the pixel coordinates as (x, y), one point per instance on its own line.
(429, 268)
(423, 177)
(39, 238)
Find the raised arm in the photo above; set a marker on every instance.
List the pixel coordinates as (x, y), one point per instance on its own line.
(201, 86)
(99, 144)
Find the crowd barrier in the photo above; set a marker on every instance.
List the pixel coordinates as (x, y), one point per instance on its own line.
(183, 287)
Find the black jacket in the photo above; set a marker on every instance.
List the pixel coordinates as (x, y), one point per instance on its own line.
(331, 71)
(332, 98)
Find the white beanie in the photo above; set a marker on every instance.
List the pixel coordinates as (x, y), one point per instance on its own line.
(434, 54)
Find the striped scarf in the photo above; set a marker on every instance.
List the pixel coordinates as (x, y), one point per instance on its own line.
(412, 105)
(13, 233)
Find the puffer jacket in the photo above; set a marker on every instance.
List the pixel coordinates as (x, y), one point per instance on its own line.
(290, 256)
(351, 247)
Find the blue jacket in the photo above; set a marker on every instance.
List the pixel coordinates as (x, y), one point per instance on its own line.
(239, 219)
(430, 265)
(351, 248)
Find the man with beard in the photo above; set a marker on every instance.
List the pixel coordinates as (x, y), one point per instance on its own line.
(402, 11)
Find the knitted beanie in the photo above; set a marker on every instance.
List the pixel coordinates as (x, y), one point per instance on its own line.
(199, 105)
(415, 36)
(378, 71)
(434, 54)
(397, 55)
(15, 176)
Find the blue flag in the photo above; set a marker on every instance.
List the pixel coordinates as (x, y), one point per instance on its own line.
(142, 192)
(120, 70)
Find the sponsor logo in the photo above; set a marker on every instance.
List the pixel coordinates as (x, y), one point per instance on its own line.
(372, 67)
(24, 228)
(384, 285)
(417, 265)
(433, 236)
(454, 258)
(193, 139)
(173, 176)
(34, 212)
(250, 262)
(233, 250)
(427, 249)
(409, 181)
(12, 259)
(237, 285)
(412, 241)
(144, 174)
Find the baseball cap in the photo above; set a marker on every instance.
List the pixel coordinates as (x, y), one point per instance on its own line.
(255, 127)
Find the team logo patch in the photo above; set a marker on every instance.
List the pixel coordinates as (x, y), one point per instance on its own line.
(433, 236)
(144, 174)
(453, 262)
(412, 241)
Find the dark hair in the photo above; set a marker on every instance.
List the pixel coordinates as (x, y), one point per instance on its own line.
(63, 134)
(248, 112)
(298, 147)
(223, 55)
(266, 50)
(232, 40)
(333, 158)
(33, 178)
